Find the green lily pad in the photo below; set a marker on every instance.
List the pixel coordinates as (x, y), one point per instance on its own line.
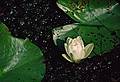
(94, 12)
(3, 29)
(103, 39)
(20, 60)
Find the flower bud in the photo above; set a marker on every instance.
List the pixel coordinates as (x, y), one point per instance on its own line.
(75, 49)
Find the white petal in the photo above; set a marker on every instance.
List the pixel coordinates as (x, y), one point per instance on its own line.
(65, 56)
(80, 55)
(66, 48)
(88, 49)
(75, 47)
(81, 41)
(69, 40)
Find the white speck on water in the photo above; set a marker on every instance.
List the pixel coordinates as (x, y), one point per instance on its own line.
(14, 7)
(28, 22)
(30, 4)
(26, 11)
(36, 19)
(22, 22)
(11, 12)
(29, 35)
(36, 39)
(26, 17)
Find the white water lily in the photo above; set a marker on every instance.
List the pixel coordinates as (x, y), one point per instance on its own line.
(75, 49)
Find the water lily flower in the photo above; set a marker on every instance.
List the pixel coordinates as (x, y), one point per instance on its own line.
(75, 49)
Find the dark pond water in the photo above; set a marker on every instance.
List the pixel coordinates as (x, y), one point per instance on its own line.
(35, 19)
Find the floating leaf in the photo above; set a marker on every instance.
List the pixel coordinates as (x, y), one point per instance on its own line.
(20, 60)
(103, 39)
(3, 29)
(94, 12)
